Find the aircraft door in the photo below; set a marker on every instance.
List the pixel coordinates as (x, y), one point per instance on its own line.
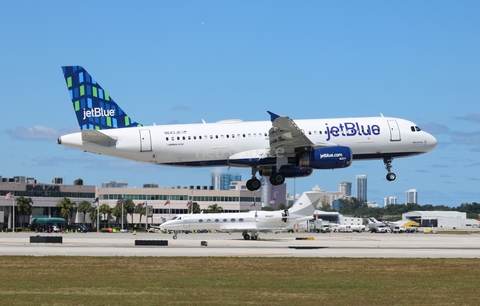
(145, 141)
(186, 222)
(394, 130)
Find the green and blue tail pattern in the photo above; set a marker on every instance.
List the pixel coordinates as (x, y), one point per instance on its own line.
(94, 107)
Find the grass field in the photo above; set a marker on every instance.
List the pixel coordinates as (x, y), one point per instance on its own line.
(237, 281)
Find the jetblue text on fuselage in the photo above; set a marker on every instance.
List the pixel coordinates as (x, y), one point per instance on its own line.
(351, 129)
(98, 112)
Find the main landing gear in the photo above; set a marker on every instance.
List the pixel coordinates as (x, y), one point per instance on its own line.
(255, 184)
(246, 236)
(388, 165)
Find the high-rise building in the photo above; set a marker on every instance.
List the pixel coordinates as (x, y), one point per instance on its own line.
(362, 187)
(345, 188)
(411, 196)
(221, 181)
(389, 201)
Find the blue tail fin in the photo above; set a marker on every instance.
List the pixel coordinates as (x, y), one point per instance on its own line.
(94, 108)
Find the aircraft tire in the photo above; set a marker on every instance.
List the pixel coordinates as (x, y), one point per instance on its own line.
(391, 176)
(254, 237)
(246, 237)
(175, 237)
(277, 179)
(253, 184)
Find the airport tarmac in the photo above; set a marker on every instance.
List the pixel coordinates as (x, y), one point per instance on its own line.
(353, 245)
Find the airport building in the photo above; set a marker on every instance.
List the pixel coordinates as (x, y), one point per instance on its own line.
(45, 198)
(163, 203)
(441, 219)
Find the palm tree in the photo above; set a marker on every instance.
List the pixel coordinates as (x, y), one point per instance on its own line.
(84, 207)
(194, 207)
(93, 215)
(117, 213)
(78, 182)
(141, 210)
(25, 207)
(66, 209)
(214, 208)
(105, 210)
(129, 207)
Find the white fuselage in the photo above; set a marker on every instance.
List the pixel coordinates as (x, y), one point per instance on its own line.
(210, 144)
(247, 221)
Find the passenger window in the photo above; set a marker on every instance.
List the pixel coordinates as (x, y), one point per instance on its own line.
(167, 138)
(233, 220)
(194, 137)
(189, 138)
(211, 136)
(228, 136)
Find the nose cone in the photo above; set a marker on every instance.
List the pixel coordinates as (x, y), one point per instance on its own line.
(431, 142)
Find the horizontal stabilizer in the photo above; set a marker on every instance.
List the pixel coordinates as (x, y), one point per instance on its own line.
(98, 138)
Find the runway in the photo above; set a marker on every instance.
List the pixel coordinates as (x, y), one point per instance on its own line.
(352, 245)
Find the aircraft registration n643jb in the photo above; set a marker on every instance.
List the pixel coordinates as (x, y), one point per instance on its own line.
(280, 148)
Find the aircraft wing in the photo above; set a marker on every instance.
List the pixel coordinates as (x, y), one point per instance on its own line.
(286, 137)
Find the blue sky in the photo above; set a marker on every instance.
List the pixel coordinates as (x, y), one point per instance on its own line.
(183, 61)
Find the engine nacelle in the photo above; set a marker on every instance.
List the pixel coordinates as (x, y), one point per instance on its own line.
(288, 171)
(325, 158)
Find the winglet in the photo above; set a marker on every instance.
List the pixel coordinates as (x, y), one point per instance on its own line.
(94, 107)
(273, 116)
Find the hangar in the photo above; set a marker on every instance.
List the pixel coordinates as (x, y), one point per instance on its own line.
(441, 219)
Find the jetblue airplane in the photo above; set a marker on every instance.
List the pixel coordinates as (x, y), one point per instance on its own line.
(252, 221)
(280, 148)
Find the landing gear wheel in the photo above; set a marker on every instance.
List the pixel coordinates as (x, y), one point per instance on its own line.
(254, 237)
(246, 237)
(175, 237)
(391, 176)
(277, 179)
(253, 184)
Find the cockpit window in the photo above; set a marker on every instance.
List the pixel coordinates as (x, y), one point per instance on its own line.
(175, 218)
(417, 128)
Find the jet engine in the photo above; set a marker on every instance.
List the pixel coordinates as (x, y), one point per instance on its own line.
(325, 158)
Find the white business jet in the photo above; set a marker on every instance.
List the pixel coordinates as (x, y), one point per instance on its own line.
(280, 148)
(252, 222)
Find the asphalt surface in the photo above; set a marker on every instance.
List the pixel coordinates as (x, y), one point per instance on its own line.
(353, 245)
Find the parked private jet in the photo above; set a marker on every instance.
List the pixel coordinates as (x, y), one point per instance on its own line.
(248, 222)
(280, 148)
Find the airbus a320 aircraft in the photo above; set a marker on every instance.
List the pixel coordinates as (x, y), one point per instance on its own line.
(280, 148)
(252, 221)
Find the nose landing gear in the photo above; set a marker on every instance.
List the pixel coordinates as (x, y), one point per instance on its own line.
(388, 165)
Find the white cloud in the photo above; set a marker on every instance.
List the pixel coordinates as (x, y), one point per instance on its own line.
(38, 132)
